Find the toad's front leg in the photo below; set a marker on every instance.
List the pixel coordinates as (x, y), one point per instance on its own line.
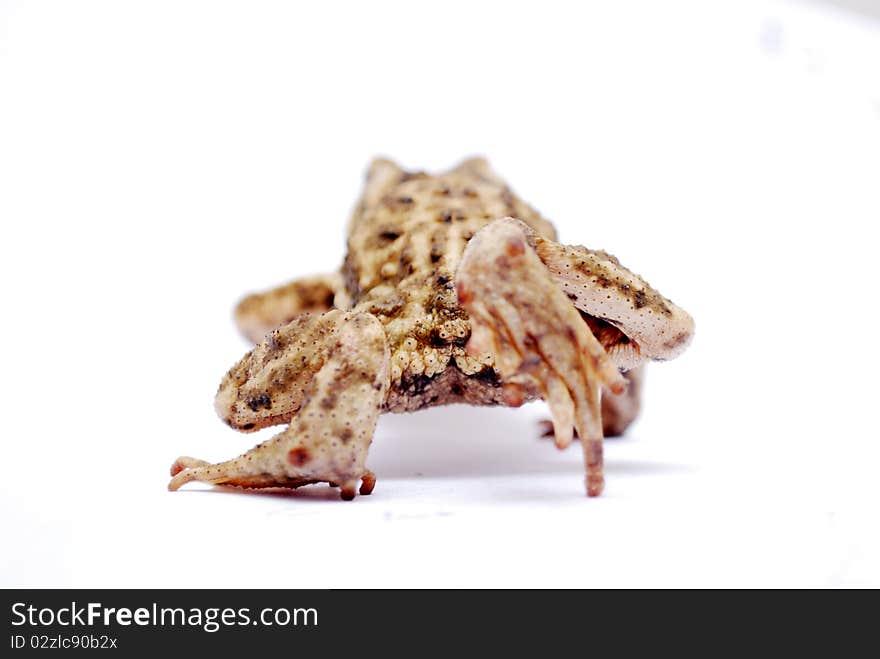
(328, 376)
(524, 321)
(564, 318)
(618, 412)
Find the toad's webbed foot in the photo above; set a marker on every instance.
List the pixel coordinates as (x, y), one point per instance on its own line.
(327, 375)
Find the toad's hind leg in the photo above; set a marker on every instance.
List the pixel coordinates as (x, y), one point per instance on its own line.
(329, 436)
(260, 313)
(525, 322)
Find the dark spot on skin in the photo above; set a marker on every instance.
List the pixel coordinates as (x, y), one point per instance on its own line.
(397, 203)
(435, 256)
(487, 376)
(248, 426)
(329, 402)
(640, 299)
(346, 435)
(256, 402)
(278, 341)
(406, 261)
(443, 280)
(389, 235)
(457, 389)
(436, 340)
(461, 340)
(572, 297)
(417, 384)
(387, 306)
(582, 267)
(603, 281)
(298, 456)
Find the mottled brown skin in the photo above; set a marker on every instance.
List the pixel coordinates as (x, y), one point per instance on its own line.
(452, 291)
(405, 242)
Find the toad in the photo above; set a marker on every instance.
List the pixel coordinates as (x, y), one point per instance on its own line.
(453, 290)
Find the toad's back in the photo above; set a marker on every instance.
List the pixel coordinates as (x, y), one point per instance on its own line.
(406, 238)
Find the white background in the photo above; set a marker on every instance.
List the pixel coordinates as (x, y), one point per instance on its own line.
(160, 159)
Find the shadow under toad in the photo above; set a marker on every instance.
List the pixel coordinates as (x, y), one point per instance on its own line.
(460, 441)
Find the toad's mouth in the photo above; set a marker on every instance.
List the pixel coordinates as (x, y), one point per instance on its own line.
(623, 350)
